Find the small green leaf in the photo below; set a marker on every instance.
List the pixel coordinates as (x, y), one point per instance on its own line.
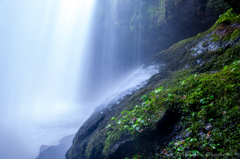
(144, 98)
(235, 62)
(108, 126)
(210, 120)
(113, 118)
(211, 97)
(170, 96)
(158, 90)
(180, 149)
(225, 67)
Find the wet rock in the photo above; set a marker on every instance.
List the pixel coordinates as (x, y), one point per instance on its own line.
(204, 45)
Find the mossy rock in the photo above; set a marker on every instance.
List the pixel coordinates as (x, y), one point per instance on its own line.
(188, 103)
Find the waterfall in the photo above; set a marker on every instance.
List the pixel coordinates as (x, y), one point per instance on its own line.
(115, 50)
(42, 49)
(58, 60)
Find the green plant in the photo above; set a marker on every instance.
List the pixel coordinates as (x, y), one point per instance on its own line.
(208, 104)
(211, 99)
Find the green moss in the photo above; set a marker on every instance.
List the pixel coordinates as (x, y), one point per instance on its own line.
(137, 119)
(235, 34)
(185, 91)
(224, 27)
(202, 99)
(215, 60)
(210, 99)
(227, 18)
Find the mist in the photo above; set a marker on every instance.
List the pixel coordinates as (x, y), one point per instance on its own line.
(42, 46)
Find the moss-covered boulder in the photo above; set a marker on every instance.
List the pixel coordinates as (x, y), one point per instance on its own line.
(190, 108)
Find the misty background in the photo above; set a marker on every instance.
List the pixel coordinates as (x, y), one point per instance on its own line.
(41, 52)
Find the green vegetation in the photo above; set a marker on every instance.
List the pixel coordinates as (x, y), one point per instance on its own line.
(228, 18)
(223, 29)
(210, 109)
(208, 102)
(206, 95)
(138, 119)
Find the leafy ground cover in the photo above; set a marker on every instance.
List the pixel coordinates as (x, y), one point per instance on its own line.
(208, 102)
(210, 108)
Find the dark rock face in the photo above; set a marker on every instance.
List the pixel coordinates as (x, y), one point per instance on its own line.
(56, 152)
(84, 134)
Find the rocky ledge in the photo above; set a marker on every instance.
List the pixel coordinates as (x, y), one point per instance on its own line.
(189, 107)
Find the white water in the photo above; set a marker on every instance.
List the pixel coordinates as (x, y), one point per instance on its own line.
(132, 83)
(41, 60)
